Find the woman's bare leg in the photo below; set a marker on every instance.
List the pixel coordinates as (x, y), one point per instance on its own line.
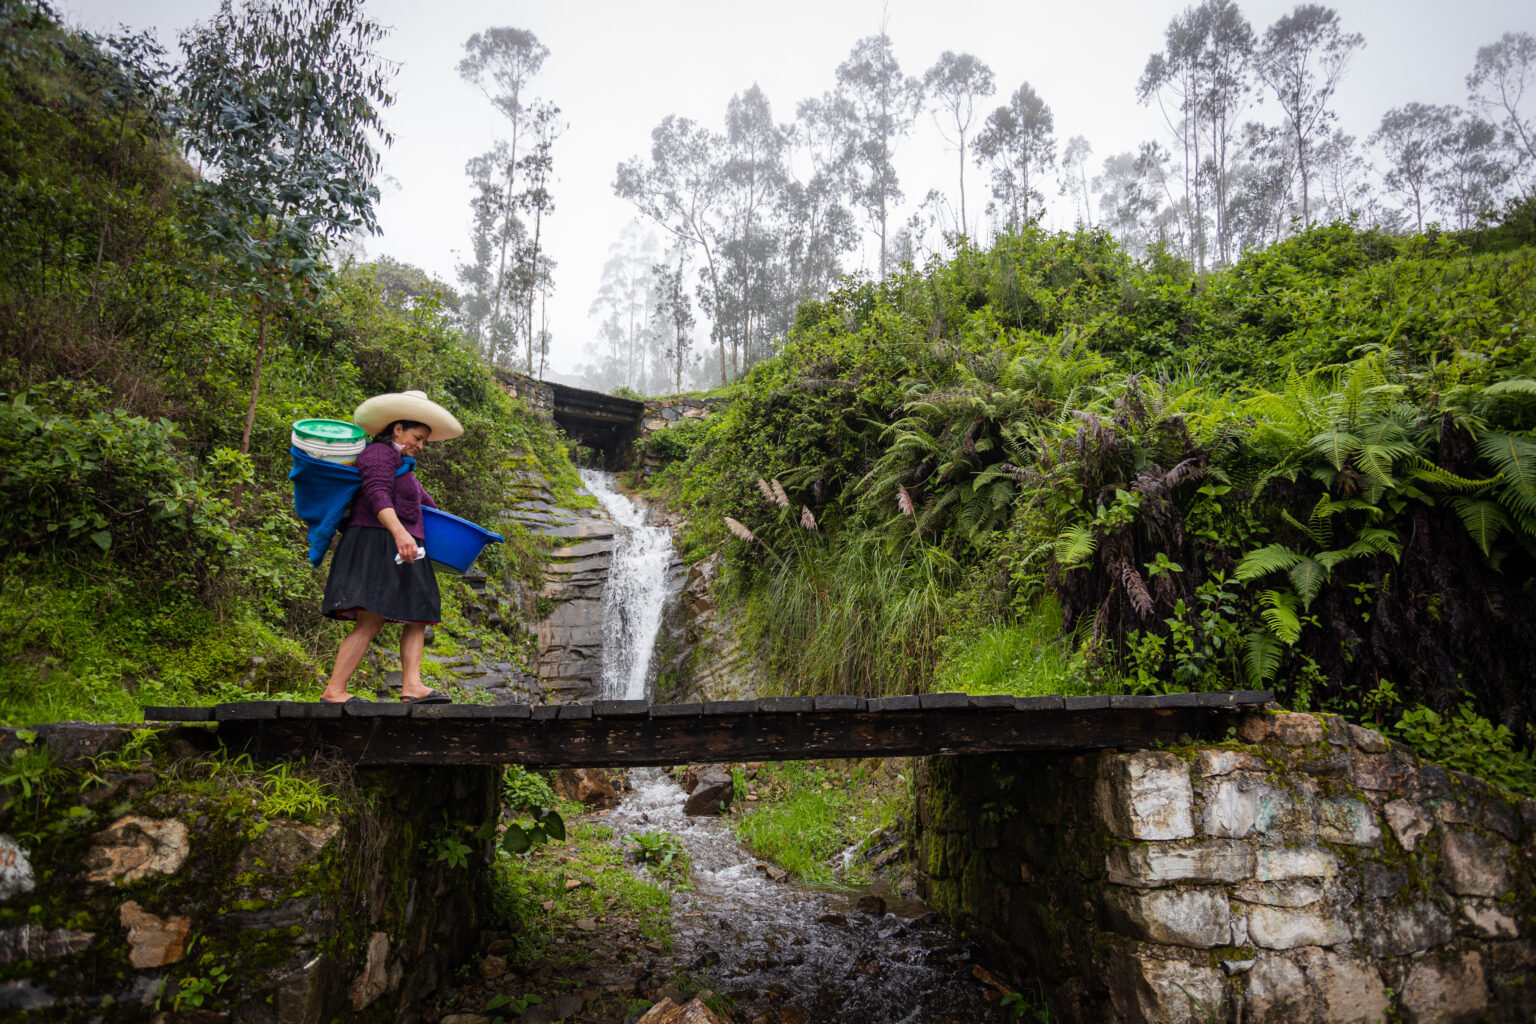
(413, 641)
(351, 652)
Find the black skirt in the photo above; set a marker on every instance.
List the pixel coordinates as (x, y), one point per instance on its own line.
(364, 577)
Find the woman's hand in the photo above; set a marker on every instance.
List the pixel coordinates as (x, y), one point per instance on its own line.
(404, 542)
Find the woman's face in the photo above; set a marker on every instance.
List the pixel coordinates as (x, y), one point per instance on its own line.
(411, 440)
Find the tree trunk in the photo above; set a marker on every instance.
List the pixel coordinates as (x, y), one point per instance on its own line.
(506, 226)
(714, 286)
(533, 280)
(250, 410)
(965, 225)
(543, 331)
(1087, 199)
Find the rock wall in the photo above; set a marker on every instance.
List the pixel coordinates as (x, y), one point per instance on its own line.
(699, 656)
(665, 413)
(1307, 871)
(538, 395)
(150, 880)
(569, 626)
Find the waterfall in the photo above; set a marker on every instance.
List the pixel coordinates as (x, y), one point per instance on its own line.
(635, 593)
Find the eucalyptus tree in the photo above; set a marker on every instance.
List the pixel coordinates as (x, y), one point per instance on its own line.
(881, 102)
(1227, 58)
(1019, 144)
(1201, 82)
(956, 83)
(1413, 138)
(754, 177)
(1124, 204)
(1303, 57)
(282, 101)
(817, 223)
(493, 222)
(623, 301)
(536, 199)
(1471, 179)
(1502, 76)
(500, 62)
(674, 311)
(1174, 78)
(1074, 178)
(1343, 179)
(1135, 193)
(1264, 201)
(681, 188)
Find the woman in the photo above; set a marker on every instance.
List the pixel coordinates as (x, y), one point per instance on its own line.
(380, 571)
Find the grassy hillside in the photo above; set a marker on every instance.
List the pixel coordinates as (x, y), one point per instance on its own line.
(1046, 466)
(131, 573)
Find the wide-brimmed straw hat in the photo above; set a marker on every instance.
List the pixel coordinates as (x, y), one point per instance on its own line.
(382, 410)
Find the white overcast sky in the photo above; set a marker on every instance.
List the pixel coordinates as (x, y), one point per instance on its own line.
(617, 67)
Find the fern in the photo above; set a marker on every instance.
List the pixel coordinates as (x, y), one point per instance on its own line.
(1308, 577)
(1512, 386)
(1484, 520)
(1515, 457)
(1375, 540)
(1433, 474)
(1336, 446)
(1261, 657)
(1265, 560)
(1279, 613)
(998, 470)
(1075, 546)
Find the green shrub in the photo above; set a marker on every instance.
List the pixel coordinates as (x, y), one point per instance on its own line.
(1469, 742)
(107, 480)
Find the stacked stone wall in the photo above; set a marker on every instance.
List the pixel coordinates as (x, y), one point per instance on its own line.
(1310, 870)
(662, 414)
(538, 395)
(140, 891)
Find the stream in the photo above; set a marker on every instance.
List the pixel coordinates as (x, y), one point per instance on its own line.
(763, 943)
(636, 592)
(784, 953)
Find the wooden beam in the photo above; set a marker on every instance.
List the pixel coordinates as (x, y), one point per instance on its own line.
(624, 734)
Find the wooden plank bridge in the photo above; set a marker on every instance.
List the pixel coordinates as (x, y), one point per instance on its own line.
(626, 733)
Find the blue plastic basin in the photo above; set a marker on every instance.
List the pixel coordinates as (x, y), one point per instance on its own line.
(453, 542)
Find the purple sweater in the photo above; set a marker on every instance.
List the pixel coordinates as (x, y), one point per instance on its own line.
(381, 489)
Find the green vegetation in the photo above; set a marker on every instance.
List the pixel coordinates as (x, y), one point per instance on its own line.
(1469, 742)
(1049, 467)
(528, 805)
(663, 854)
(151, 559)
(545, 893)
(805, 814)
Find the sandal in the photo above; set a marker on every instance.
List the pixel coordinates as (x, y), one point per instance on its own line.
(350, 700)
(430, 697)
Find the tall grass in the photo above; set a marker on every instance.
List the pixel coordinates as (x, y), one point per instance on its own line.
(861, 618)
(811, 814)
(1026, 658)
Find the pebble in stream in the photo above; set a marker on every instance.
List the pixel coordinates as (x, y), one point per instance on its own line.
(780, 952)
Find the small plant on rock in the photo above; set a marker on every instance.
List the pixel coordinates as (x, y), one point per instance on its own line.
(661, 850)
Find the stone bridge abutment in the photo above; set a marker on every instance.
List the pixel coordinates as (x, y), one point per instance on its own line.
(1309, 871)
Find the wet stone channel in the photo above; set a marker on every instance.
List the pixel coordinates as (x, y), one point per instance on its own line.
(787, 954)
(779, 952)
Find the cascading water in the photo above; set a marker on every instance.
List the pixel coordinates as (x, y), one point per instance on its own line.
(775, 951)
(769, 945)
(636, 591)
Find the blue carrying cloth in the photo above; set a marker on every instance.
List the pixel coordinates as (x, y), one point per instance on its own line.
(322, 491)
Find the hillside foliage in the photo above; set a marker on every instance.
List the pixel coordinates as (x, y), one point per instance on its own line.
(131, 575)
(1047, 467)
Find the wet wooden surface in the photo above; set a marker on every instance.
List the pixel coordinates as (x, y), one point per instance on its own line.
(634, 733)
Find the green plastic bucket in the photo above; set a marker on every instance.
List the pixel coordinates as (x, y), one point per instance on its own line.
(330, 431)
